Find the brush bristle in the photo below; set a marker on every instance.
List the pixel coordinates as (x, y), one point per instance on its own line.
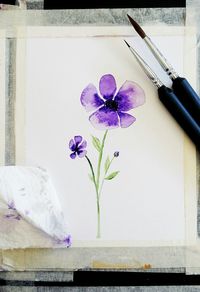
(137, 27)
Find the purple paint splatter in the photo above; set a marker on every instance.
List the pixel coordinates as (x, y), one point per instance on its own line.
(13, 214)
(11, 206)
(66, 241)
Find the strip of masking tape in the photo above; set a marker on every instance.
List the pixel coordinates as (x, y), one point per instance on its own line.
(2, 96)
(136, 258)
(189, 148)
(192, 254)
(20, 100)
(102, 17)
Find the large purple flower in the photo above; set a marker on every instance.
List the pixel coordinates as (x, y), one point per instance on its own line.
(77, 146)
(110, 110)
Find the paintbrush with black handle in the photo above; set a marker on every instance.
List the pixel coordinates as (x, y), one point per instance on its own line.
(183, 90)
(171, 102)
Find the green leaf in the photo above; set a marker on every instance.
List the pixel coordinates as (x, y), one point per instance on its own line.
(112, 175)
(107, 164)
(96, 143)
(90, 177)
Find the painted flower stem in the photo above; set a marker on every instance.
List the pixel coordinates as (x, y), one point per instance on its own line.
(98, 219)
(98, 185)
(93, 175)
(97, 198)
(96, 181)
(100, 158)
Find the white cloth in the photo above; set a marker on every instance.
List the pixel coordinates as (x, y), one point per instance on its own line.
(30, 212)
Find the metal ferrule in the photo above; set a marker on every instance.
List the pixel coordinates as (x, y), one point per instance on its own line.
(161, 59)
(149, 72)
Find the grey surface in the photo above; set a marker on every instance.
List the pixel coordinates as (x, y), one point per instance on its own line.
(101, 289)
(35, 4)
(37, 276)
(10, 102)
(198, 186)
(145, 16)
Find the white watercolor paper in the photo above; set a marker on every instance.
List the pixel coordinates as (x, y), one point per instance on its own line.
(145, 203)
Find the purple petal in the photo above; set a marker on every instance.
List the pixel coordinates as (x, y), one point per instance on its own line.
(90, 99)
(129, 96)
(107, 86)
(126, 120)
(83, 145)
(73, 155)
(78, 139)
(104, 118)
(81, 153)
(72, 145)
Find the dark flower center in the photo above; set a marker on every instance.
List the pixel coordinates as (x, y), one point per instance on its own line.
(111, 104)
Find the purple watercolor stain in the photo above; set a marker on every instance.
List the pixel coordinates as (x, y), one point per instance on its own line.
(11, 206)
(13, 214)
(67, 241)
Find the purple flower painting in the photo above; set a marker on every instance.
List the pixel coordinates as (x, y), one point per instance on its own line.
(109, 110)
(77, 146)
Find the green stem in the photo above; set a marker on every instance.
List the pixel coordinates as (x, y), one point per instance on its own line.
(97, 197)
(103, 180)
(100, 159)
(98, 219)
(93, 175)
(96, 183)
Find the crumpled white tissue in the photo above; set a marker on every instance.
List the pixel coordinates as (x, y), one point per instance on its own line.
(30, 211)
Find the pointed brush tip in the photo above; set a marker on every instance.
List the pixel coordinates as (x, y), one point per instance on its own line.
(129, 17)
(137, 27)
(127, 43)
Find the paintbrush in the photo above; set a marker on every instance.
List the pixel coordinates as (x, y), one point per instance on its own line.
(183, 90)
(171, 102)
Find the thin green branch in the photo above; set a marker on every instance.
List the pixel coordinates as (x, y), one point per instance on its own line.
(100, 159)
(93, 175)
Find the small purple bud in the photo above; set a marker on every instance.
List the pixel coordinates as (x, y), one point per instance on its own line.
(116, 153)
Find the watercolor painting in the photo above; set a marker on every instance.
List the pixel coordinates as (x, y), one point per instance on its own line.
(66, 102)
(109, 111)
